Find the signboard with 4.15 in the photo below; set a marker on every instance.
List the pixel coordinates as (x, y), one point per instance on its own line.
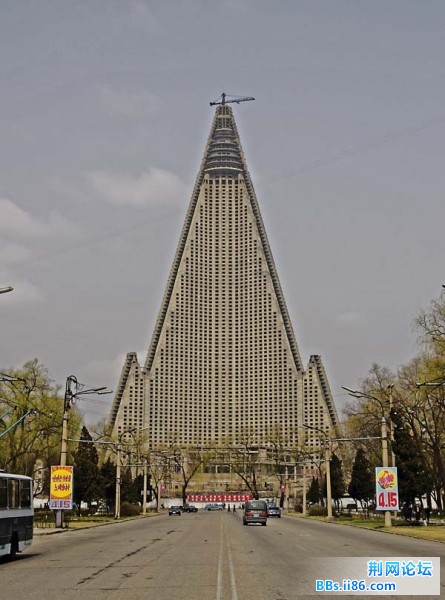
(387, 489)
(61, 488)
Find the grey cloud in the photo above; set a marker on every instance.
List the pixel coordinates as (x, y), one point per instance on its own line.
(129, 103)
(155, 186)
(17, 222)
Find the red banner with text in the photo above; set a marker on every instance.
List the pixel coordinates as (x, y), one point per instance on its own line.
(241, 497)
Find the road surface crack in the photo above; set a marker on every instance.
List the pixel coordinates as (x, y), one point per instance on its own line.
(113, 564)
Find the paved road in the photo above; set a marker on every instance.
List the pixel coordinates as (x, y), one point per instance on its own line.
(201, 556)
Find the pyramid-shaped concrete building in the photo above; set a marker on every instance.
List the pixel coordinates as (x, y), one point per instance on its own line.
(223, 361)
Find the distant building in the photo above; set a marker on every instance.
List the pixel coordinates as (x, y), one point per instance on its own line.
(223, 362)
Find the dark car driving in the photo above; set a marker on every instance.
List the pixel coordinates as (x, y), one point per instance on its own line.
(175, 510)
(255, 511)
(190, 508)
(273, 511)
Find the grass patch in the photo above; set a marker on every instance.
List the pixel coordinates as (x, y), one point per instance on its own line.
(92, 520)
(435, 533)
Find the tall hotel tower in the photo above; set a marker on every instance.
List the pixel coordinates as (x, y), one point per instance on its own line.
(223, 358)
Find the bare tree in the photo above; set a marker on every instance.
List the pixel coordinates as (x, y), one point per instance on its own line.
(187, 462)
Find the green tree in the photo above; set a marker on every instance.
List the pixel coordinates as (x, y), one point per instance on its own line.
(131, 489)
(314, 495)
(107, 478)
(414, 480)
(32, 409)
(362, 486)
(418, 410)
(86, 471)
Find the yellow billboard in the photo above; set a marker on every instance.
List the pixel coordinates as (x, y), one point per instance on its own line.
(61, 488)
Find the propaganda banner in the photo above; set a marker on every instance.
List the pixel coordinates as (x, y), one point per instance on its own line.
(219, 497)
(61, 488)
(387, 488)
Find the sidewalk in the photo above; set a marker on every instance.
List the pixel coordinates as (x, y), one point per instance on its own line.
(39, 531)
(79, 525)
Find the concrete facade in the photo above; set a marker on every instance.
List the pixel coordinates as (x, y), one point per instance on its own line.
(223, 362)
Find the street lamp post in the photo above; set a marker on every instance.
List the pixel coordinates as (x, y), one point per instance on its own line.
(385, 461)
(327, 460)
(144, 491)
(359, 394)
(390, 387)
(117, 503)
(304, 490)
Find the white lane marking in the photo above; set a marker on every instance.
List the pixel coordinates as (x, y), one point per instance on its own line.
(300, 547)
(220, 563)
(232, 573)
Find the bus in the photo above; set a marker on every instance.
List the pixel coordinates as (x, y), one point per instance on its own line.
(16, 513)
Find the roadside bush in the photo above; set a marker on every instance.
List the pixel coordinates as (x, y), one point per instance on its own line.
(317, 511)
(298, 508)
(43, 515)
(129, 510)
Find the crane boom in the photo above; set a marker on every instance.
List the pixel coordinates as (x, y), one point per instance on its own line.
(225, 99)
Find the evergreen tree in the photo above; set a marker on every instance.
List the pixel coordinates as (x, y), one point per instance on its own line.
(313, 495)
(131, 489)
(413, 479)
(107, 478)
(137, 488)
(86, 471)
(362, 486)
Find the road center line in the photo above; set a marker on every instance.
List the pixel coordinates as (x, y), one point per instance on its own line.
(220, 563)
(232, 573)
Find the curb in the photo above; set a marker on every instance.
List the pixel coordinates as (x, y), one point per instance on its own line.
(38, 532)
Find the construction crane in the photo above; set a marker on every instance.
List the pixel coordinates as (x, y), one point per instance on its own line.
(223, 99)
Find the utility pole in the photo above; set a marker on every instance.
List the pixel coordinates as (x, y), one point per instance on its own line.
(304, 490)
(64, 444)
(286, 489)
(391, 425)
(66, 406)
(144, 497)
(68, 401)
(385, 461)
(327, 458)
(117, 508)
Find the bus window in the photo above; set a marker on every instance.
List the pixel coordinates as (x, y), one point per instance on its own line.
(3, 493)
(13, 493)
(25, 493)
(16, 525)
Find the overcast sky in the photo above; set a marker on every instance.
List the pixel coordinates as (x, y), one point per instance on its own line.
(104, 114)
